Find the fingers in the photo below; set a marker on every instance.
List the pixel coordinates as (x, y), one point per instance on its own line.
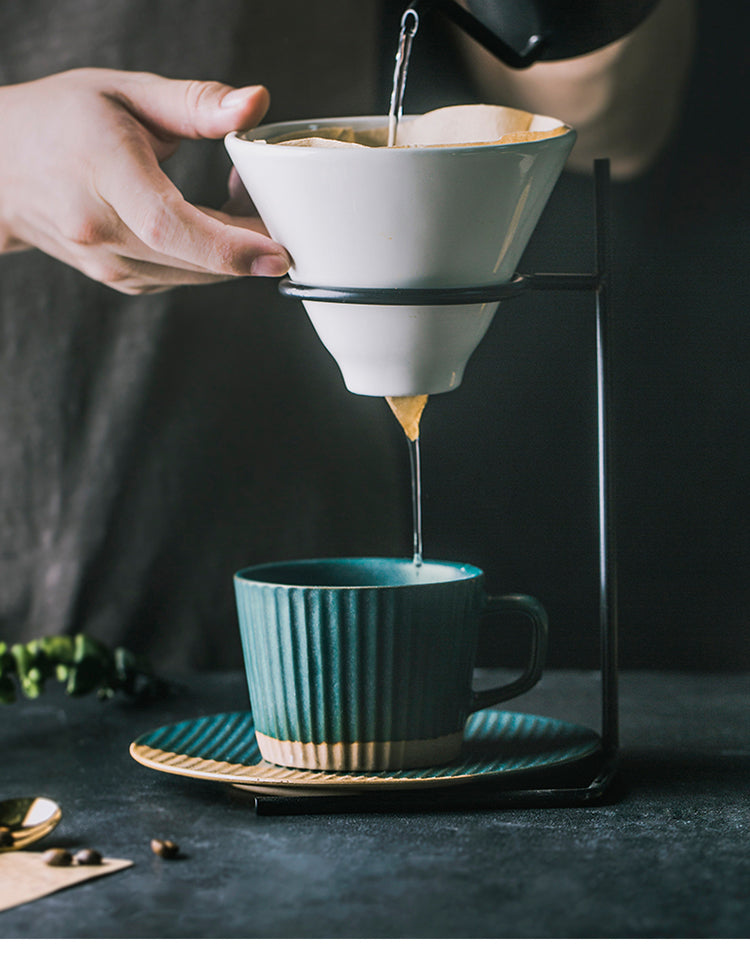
(107, 251)
(142, 270)
(154, 211)
(130, 268)
(191, 109)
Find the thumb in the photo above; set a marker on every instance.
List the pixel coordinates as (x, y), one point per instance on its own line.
(194, 109)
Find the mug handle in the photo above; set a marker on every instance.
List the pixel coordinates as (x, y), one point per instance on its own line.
(534, 611)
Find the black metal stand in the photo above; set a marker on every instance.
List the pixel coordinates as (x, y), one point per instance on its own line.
(591, 780)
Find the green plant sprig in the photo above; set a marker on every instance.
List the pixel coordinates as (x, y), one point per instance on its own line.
(81, 663)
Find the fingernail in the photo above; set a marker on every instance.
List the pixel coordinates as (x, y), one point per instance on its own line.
(237, 97)
(271, 265)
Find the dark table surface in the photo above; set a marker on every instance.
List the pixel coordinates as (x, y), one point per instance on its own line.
(667, 854)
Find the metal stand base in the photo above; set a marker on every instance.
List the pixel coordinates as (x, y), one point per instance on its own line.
(591, 781)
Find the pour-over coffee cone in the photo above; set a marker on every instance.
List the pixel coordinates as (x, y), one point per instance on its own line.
(405, 217)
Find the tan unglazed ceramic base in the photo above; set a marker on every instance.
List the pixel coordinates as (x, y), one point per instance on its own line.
(361, 755)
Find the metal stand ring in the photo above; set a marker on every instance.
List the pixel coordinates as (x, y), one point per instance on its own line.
(406, 297)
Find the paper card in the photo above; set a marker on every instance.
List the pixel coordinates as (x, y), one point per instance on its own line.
(25, 877)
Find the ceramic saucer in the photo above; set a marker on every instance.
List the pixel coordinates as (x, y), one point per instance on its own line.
(497, 744)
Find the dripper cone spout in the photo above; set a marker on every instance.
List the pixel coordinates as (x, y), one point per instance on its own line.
(400, 350)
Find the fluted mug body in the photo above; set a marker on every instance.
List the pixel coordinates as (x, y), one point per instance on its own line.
(362, 664)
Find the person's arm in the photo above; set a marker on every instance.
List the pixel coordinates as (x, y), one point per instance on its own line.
(623, 100)
(80, 179)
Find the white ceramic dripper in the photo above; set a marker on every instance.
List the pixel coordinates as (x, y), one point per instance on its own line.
(399, 219)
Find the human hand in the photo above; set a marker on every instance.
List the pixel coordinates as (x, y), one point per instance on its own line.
(80, 179)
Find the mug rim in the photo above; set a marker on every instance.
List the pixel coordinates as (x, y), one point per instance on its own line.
(463, 571)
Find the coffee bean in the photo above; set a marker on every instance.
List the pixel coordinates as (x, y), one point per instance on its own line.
(166, 849)
(57, 857)
(87, 856)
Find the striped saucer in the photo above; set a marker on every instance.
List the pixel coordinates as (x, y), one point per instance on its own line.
(222, 747)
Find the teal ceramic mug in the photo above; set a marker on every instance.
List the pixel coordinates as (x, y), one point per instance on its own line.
(364, 664)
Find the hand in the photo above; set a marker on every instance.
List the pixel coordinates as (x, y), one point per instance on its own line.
(80, 179)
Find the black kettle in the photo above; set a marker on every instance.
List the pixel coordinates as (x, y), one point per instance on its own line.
(520, 32)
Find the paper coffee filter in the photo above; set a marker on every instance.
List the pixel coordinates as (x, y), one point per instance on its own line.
(340, 133)
(453, 125)
(448, 126)
(321, 142)
(333, 136)
(408, 410)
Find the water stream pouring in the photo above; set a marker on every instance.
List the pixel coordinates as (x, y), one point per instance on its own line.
(409, 27)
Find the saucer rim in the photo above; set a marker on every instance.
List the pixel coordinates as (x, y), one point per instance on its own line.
(267, 776)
